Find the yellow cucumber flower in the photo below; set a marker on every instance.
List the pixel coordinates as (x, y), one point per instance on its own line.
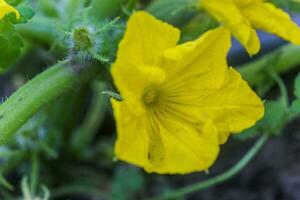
(242, 17)
(180, 101)
(6, 8)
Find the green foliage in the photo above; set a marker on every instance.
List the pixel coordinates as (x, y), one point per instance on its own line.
(127, 183)
(104, 8)
(26, 13)
(5, 183)
(10, 45)
(296, 106)
(297, 86)
(176, 12)
(14, 2)
(296, 103)
(274, 119)
(11, 42)
(276, 115)
(197, 26)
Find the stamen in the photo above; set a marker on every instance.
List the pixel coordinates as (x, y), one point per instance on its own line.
(150, 96)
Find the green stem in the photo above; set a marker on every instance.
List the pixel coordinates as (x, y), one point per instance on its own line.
(40, 29)
(283, 90)
(219, 178)
(34, 172)
(86, 132)
(44, 88)
(5, 183)
(286, 59)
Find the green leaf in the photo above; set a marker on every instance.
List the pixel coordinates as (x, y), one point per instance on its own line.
(10, 45)
(274, 118)
(128, 181)
(297, 86)
(104, 8)
(49, 8)
(296, 106)
(26, 13)
(175, 12)
(272, 123)
(14, 2)
(247, 134)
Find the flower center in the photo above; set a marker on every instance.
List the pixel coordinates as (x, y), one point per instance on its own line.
(150, 96)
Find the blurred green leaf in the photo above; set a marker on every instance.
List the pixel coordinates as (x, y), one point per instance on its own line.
(10, 45)
(48, 8)
(297, 86)
(247, 134)
(175, 12)
(127, 182)
(272, 123)
(275, 117)
(197, 26)
(104, 8)
(26, 13)
(14, 2)
(296, 106)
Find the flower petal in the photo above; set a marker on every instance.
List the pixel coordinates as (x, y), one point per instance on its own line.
(267, 17)
(145, 40)
(198, 64)
(6, 8)
(185, 147)
(245, 2)
(230, 15)
(234, 107)
(171, 146)
(132, 136)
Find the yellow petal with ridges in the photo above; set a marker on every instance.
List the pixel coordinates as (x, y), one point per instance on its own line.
(186, 147)
(267, 17)
(145, 40)
(230, 16)
(188, 62)
(234, 107)
(132, 136)
(6, 8)
(241, 3)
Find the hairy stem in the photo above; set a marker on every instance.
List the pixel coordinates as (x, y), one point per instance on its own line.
(44, 88)
(219, 178)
